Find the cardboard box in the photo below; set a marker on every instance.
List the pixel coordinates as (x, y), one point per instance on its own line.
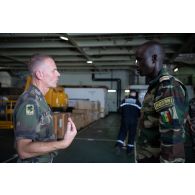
(84, 104)
(55, 123)
(60, 124)
(96, 106)
(78, 119)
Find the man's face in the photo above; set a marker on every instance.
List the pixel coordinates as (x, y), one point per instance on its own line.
(50, 73)
(145, 65)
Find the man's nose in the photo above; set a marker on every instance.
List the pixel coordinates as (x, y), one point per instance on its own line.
(58, 74)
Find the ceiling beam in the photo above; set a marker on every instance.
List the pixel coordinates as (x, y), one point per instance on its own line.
(35, 44)
(123, 42)
(22, 35)
(75, 44)
(67, 52)
(12, 58)
(75, 58)
(78, 44)
(104, 63)
(186, 44)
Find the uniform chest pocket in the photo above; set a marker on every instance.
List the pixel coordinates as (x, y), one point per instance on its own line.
(45, 118)
(44, 128)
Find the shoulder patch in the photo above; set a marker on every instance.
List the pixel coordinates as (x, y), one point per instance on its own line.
(164, 78)
(166, 102)
(166, 117)
(30, 109)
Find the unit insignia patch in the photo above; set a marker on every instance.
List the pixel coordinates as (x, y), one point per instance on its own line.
(30, 109)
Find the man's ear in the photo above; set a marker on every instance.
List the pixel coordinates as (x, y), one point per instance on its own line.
(154, 58)
(39, 75)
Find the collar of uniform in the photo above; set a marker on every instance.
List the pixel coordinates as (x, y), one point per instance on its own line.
(163, 72)
(36, 90)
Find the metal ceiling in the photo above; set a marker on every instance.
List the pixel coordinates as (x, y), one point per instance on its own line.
(108, 51)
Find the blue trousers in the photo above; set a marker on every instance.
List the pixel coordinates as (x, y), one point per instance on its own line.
(127, 127)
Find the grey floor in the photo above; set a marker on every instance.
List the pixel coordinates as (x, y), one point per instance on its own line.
(7, 148)
(95, 144)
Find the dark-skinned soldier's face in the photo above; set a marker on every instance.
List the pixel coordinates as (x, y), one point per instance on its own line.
(144, 61)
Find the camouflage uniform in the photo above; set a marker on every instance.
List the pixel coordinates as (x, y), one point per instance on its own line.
(33, 120)
(161, 130)
(192, 112)
(190, 125)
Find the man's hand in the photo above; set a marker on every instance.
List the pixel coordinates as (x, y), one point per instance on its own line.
(70, 133)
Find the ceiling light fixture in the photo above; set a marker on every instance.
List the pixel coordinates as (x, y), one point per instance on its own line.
(111, 90)
(64, 38)
(89, 62)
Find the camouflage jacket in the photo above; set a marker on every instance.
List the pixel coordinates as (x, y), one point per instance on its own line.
(192, 113)
(33, 120)
(161, 127)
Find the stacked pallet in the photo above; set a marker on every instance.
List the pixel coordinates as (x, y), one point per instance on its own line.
(84, 113)
(89, 110)
(60, 121)
(98, 94)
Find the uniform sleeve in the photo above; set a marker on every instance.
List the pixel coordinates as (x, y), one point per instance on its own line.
(170, 104)
(26, 120)
(139, 107)
(192, 113)
(190, 108)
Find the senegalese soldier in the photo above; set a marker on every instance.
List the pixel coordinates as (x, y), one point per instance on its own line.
(33, 124)
(190, 133)
(192, 120)
(164, 110)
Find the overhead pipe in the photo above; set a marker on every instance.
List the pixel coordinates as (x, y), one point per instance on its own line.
(118, 86)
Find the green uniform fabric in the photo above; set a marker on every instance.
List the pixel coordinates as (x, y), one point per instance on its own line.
(190, 124)
(192, 113)
(33, 120)
(161, 133)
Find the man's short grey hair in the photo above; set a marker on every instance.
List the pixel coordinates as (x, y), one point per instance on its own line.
(35, 61)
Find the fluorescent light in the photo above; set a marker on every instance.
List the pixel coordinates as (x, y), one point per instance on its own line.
(111, 90)
(175, 69)
(64, 38)
(127, 90)
(89, 62)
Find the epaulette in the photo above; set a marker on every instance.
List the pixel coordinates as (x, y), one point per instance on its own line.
(178, 80)
(164, 78)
